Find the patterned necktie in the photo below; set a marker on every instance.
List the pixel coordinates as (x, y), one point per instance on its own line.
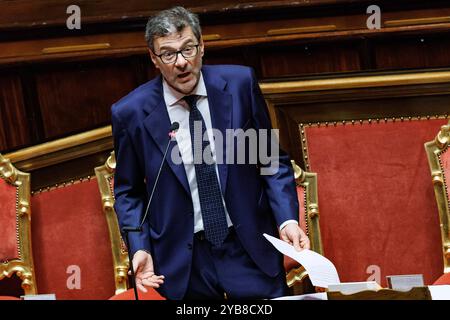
(213, 212)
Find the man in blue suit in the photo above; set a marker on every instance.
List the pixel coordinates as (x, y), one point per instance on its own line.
(203, 238)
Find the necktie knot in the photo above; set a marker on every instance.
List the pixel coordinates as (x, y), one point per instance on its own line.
(191, 100)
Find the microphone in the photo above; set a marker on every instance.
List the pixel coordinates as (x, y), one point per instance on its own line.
(126, 229)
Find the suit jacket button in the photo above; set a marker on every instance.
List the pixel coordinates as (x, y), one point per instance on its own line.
(190, 246)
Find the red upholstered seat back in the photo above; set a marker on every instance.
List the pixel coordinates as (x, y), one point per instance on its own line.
(378, 211)
(8, 222)
(71, 230)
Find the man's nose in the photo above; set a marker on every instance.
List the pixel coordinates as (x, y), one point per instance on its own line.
(180, 60)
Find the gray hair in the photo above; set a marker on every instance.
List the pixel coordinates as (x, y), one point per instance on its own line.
(171, 20)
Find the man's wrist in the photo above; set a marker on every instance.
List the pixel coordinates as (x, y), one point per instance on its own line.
(144, 250)
(284, 224)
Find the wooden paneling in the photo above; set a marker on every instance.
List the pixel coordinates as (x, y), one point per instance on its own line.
(296, 60)
(426, 51)
(56, 82)
(243, 56)
(78, 97)
(68, 171)
(25, 13)
(13, 117)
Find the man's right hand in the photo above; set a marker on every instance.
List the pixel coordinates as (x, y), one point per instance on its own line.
(143, 271)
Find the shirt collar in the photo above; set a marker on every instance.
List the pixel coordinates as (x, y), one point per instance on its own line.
(172, 97)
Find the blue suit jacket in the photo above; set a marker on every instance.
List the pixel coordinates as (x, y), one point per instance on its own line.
(256, 203)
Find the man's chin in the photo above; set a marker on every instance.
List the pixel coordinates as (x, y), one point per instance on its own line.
(186, 87)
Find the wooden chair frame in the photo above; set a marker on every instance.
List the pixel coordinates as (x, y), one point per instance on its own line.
(105, 176)
(23, 266)
(434, 150)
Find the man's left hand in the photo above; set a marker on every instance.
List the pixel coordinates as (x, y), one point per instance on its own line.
(294, 235)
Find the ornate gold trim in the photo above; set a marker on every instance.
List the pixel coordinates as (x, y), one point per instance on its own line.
(296, 278)
(24, 266)
(283, 31)
(210, 37)
(64, 149)
(434, 150)
(356, 82)
(409, 22)
(81, 47)
(307, 180)
(120, 257)
(61, 185)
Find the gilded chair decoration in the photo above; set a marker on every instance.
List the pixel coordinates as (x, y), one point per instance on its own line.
(105, 177)
(439, 160)
(16, 254)
(307, 188)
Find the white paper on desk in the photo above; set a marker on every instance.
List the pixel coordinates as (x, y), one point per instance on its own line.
(440, 292)
(321, 271)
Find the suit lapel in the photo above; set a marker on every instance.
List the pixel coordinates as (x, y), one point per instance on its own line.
(220, 107)
(157, 123)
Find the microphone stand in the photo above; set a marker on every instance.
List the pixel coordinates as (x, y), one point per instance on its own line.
(126, 230)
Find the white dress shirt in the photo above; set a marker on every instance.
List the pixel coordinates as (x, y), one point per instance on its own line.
(178, 112)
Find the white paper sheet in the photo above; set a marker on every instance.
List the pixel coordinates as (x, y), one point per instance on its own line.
(309, 296)
(321, 271)
(441, 292)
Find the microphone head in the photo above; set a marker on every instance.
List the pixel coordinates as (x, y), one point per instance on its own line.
(174, 127)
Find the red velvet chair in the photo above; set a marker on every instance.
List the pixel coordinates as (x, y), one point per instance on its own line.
(73, 255)
(439, 161)
(15, 218)
(296, 276)
(378, 212)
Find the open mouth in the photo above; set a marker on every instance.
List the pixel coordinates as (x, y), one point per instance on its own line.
(184, 75)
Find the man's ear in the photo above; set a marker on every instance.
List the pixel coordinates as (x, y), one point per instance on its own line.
(153, 57)
(202, 47)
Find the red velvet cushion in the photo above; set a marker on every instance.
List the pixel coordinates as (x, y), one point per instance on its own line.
(8, 239)
(377, 203)
(288, 262)
(8, 298)
(151, 294)
(444, 279)
(69, 229)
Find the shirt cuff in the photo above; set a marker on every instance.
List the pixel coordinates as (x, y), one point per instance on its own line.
(145, 250)
(284, 224)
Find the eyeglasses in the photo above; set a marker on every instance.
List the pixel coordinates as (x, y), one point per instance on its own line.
(187, 52)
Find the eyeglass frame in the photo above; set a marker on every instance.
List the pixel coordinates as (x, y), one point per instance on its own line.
(178, 52)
